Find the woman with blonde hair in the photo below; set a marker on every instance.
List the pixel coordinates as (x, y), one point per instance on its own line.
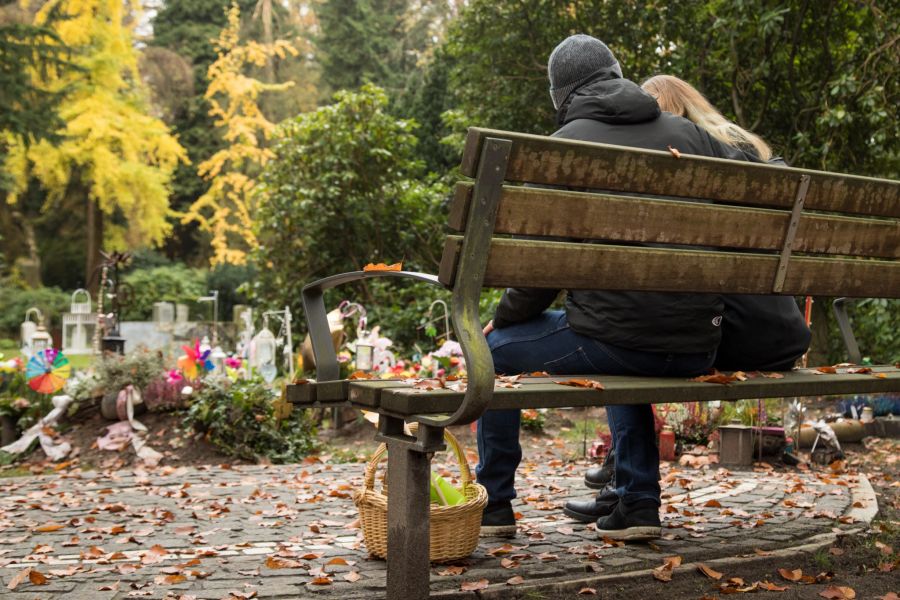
(680, 98)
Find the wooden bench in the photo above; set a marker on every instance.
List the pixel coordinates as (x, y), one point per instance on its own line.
(778, 230)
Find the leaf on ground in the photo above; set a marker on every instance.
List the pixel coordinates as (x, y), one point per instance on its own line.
(452, 571)
(352, 576)
(18, 578)
(36, 577)
(517, 580)
(711, 573)
(713, 504)
(587, 591)
(674, 151)
(838, 592)
(885, 549)
(582, 383)
(337, 560)
(273, 562)
(383, 267)
(321, 580)
(794, 575)
(826, 370)
(773, 375)
(664, 571)
(110, 588)
(473, 586)
(48, 527)
(772, 587)
(889, 596)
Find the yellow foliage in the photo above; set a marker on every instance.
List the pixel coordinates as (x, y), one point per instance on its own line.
(226, 209)
(123, 156)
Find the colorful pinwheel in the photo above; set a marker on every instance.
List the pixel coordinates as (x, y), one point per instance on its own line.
(194, 361)
(47, 371)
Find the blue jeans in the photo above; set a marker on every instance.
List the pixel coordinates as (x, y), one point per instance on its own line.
(548, 344)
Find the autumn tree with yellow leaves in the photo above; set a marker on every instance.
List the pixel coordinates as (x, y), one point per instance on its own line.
(110, 155)
(227, 208)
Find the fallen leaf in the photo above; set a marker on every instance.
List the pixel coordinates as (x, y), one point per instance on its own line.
(352, 576)
(885, 549)
(583, 383)
(18, 578)
(321, 580)
(860, 371)
(674, 152)
(711, 573)
(452, 571)
(517, 580)
(772, 587)
(337, 560)
(715, 377)
(51, 526)
(794, 575)
(110, 588)
(835, 592)
(889, 596)
(828, 370)
(835, 551)
(586, 591)
(773, 375)
(713, 504)
(472, 586)
(36, 577)
(383, 267)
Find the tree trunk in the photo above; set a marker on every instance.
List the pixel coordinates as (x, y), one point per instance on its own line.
(31, 266)
(94, 245)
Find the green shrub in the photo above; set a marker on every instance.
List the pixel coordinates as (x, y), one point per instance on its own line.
(139, 368)
(239, 419)
(14, 301)
(175, 283)
(230, 280)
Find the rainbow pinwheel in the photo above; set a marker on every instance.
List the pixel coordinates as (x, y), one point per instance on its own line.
(194, 361)
(47, 371)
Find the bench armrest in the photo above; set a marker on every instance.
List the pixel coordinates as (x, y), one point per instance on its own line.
(327, 368)
(840, 313)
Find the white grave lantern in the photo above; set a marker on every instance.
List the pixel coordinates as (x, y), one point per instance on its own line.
(217, 357)
(262, 354)
(29, 326)
(78, 324)
(40, 339)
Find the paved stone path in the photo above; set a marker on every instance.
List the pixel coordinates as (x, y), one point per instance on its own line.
(290, 531)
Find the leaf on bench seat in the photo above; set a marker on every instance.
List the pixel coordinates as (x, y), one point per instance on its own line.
(383, 267)
(721, 378)
(826, 370)
(361, 375)
(583, 383)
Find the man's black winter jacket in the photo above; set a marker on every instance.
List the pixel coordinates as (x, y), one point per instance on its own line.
(616, 111)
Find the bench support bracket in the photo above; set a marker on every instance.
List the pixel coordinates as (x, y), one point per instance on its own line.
(791, 233)
(840, 313)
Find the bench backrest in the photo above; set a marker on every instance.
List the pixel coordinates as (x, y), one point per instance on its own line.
(784, 230)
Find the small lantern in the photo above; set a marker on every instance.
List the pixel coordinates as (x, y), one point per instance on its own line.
(364, 355)
(40, 339)
(217, 357)
(29, 326)
(262, 355)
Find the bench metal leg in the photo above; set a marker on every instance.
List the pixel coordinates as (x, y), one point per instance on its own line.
(408, 566)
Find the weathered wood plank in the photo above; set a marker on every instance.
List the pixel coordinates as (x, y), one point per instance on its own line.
(366, 393)
(559, 213)
(646, 390)
(553, 161)
(561, 265)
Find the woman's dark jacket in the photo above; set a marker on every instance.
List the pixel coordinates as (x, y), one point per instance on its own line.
(616, 111)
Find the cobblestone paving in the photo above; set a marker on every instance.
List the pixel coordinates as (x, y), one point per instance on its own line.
(290, 531)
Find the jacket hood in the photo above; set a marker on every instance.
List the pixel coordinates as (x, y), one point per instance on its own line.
(610, 99)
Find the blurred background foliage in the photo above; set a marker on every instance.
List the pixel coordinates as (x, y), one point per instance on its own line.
(370, 132)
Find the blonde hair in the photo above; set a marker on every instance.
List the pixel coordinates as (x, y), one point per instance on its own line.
(681, 98)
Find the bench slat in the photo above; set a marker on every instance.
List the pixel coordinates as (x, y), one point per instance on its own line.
(553, 161)
(562, 265)
(558, 213)
(636, 390)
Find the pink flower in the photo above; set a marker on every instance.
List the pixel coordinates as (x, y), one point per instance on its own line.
(173, 376)
(233, 362)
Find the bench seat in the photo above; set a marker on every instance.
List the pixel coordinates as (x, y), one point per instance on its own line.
(401, 398)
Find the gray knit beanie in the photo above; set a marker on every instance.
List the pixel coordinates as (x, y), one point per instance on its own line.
(575, 60)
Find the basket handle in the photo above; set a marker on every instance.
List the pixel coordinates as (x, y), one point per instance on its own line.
(465, 475)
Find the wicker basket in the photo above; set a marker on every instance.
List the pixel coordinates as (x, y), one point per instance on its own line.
(454, 529)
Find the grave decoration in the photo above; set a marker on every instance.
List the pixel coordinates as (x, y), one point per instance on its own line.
(47, 371)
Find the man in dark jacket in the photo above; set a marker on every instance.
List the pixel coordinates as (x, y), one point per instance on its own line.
(639, 333)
